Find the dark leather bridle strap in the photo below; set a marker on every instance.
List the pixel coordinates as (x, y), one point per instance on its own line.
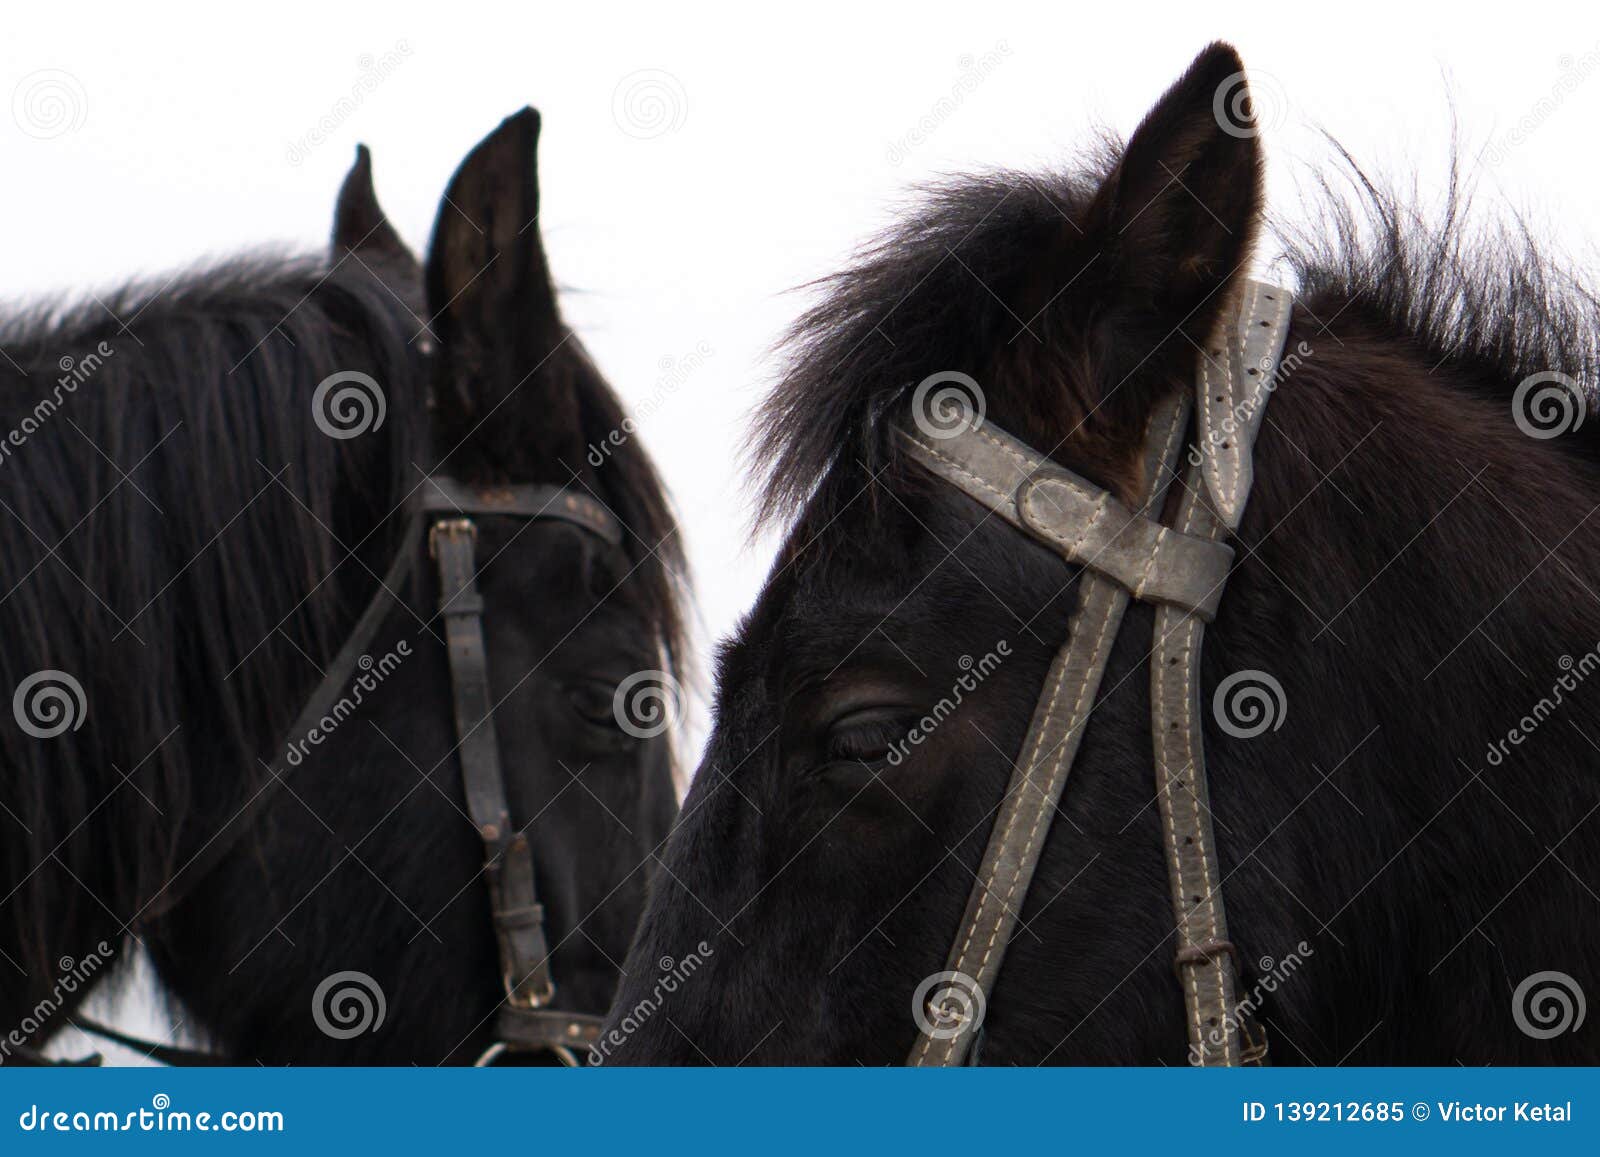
(446, 508)
(440, 495)
(525, 1021)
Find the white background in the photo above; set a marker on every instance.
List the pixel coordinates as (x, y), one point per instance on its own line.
(699, 165)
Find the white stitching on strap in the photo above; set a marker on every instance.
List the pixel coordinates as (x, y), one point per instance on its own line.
(958, 468)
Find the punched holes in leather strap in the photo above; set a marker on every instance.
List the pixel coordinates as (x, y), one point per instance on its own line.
(1153, 562)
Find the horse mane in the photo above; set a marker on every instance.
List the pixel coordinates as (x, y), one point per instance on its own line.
(1478, 293)
(180, 542)
(1475, 295)
(174, 516)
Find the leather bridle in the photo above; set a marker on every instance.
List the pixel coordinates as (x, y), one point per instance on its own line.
(1125, 552)
(444, 512)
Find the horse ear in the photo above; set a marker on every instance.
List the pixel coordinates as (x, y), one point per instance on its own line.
(492, 303)
(359, 224)
(1176, 219)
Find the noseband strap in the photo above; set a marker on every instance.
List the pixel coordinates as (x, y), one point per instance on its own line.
(1126, 553)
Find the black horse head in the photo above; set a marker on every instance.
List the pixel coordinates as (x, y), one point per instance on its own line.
(1394, 577)
(197, 513)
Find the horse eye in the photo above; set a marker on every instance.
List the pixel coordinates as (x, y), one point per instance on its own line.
(863, 736)
(593, 699)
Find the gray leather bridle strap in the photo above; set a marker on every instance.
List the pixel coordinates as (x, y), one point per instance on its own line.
(1126, 553)
(1235, 384)
(1039, 776)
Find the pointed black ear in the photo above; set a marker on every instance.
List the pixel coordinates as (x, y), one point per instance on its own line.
(359, 225)
(492, 303)
(1177, 218)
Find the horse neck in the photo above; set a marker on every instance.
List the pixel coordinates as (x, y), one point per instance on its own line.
(1384, 484)
(1412, 570)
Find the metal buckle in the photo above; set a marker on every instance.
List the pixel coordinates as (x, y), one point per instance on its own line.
(1253, 1050)
(450, 526)
(500, 1048)
(516, 997)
